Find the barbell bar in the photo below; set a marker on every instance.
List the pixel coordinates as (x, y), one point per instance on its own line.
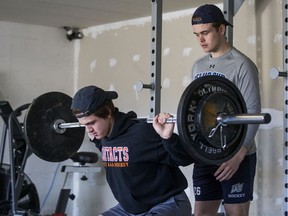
(262, 118)
(223, 118)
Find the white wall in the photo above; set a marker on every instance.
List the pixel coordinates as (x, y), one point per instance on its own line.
(37, 59)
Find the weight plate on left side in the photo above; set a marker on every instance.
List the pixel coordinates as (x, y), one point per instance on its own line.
(42, 138)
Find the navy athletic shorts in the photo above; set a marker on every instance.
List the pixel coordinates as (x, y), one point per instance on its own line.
(238, 189)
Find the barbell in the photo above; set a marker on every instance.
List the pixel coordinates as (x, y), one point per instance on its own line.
(212, 122)
(222, 118)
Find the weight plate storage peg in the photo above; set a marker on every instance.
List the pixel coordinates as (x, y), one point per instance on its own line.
(39, 126)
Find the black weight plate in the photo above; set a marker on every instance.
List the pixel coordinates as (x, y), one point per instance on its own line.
(194, 139)
(206, 115)
(42, 138)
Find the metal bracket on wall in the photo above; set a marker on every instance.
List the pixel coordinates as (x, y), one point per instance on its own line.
(230, 8)
(285, 149)
(156, 47)
(156, 54)
(274, 74)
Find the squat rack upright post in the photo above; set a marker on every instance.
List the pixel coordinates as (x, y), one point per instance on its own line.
(285, 109)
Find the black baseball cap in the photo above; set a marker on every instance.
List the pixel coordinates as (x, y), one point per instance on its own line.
(209, 13)
(89, 99)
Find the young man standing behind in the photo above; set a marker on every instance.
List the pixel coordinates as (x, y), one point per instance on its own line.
(233, 180)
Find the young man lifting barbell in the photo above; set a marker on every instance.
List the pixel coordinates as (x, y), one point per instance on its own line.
(142, 165)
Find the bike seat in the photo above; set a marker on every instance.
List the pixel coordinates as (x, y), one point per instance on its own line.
(85, 157)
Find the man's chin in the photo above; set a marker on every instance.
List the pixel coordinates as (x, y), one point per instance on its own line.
(206, 50)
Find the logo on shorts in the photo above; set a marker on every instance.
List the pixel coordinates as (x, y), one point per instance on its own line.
(236, 191)
(237, 188)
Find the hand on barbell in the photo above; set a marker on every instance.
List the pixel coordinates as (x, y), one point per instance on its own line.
(164, 129)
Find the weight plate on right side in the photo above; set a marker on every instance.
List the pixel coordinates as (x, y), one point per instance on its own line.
(194, 139)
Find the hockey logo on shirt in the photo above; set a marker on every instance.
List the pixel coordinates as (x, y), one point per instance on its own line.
(115, 156)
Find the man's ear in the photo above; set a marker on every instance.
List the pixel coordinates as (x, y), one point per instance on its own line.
(222, 29)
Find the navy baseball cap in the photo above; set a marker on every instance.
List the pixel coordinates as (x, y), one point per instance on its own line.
(89, 99)
(209, 13)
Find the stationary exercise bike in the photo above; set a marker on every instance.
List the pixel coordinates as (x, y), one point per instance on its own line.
(18, 194)
(82, 158)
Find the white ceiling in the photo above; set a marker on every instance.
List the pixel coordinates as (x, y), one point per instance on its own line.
(84, 13)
